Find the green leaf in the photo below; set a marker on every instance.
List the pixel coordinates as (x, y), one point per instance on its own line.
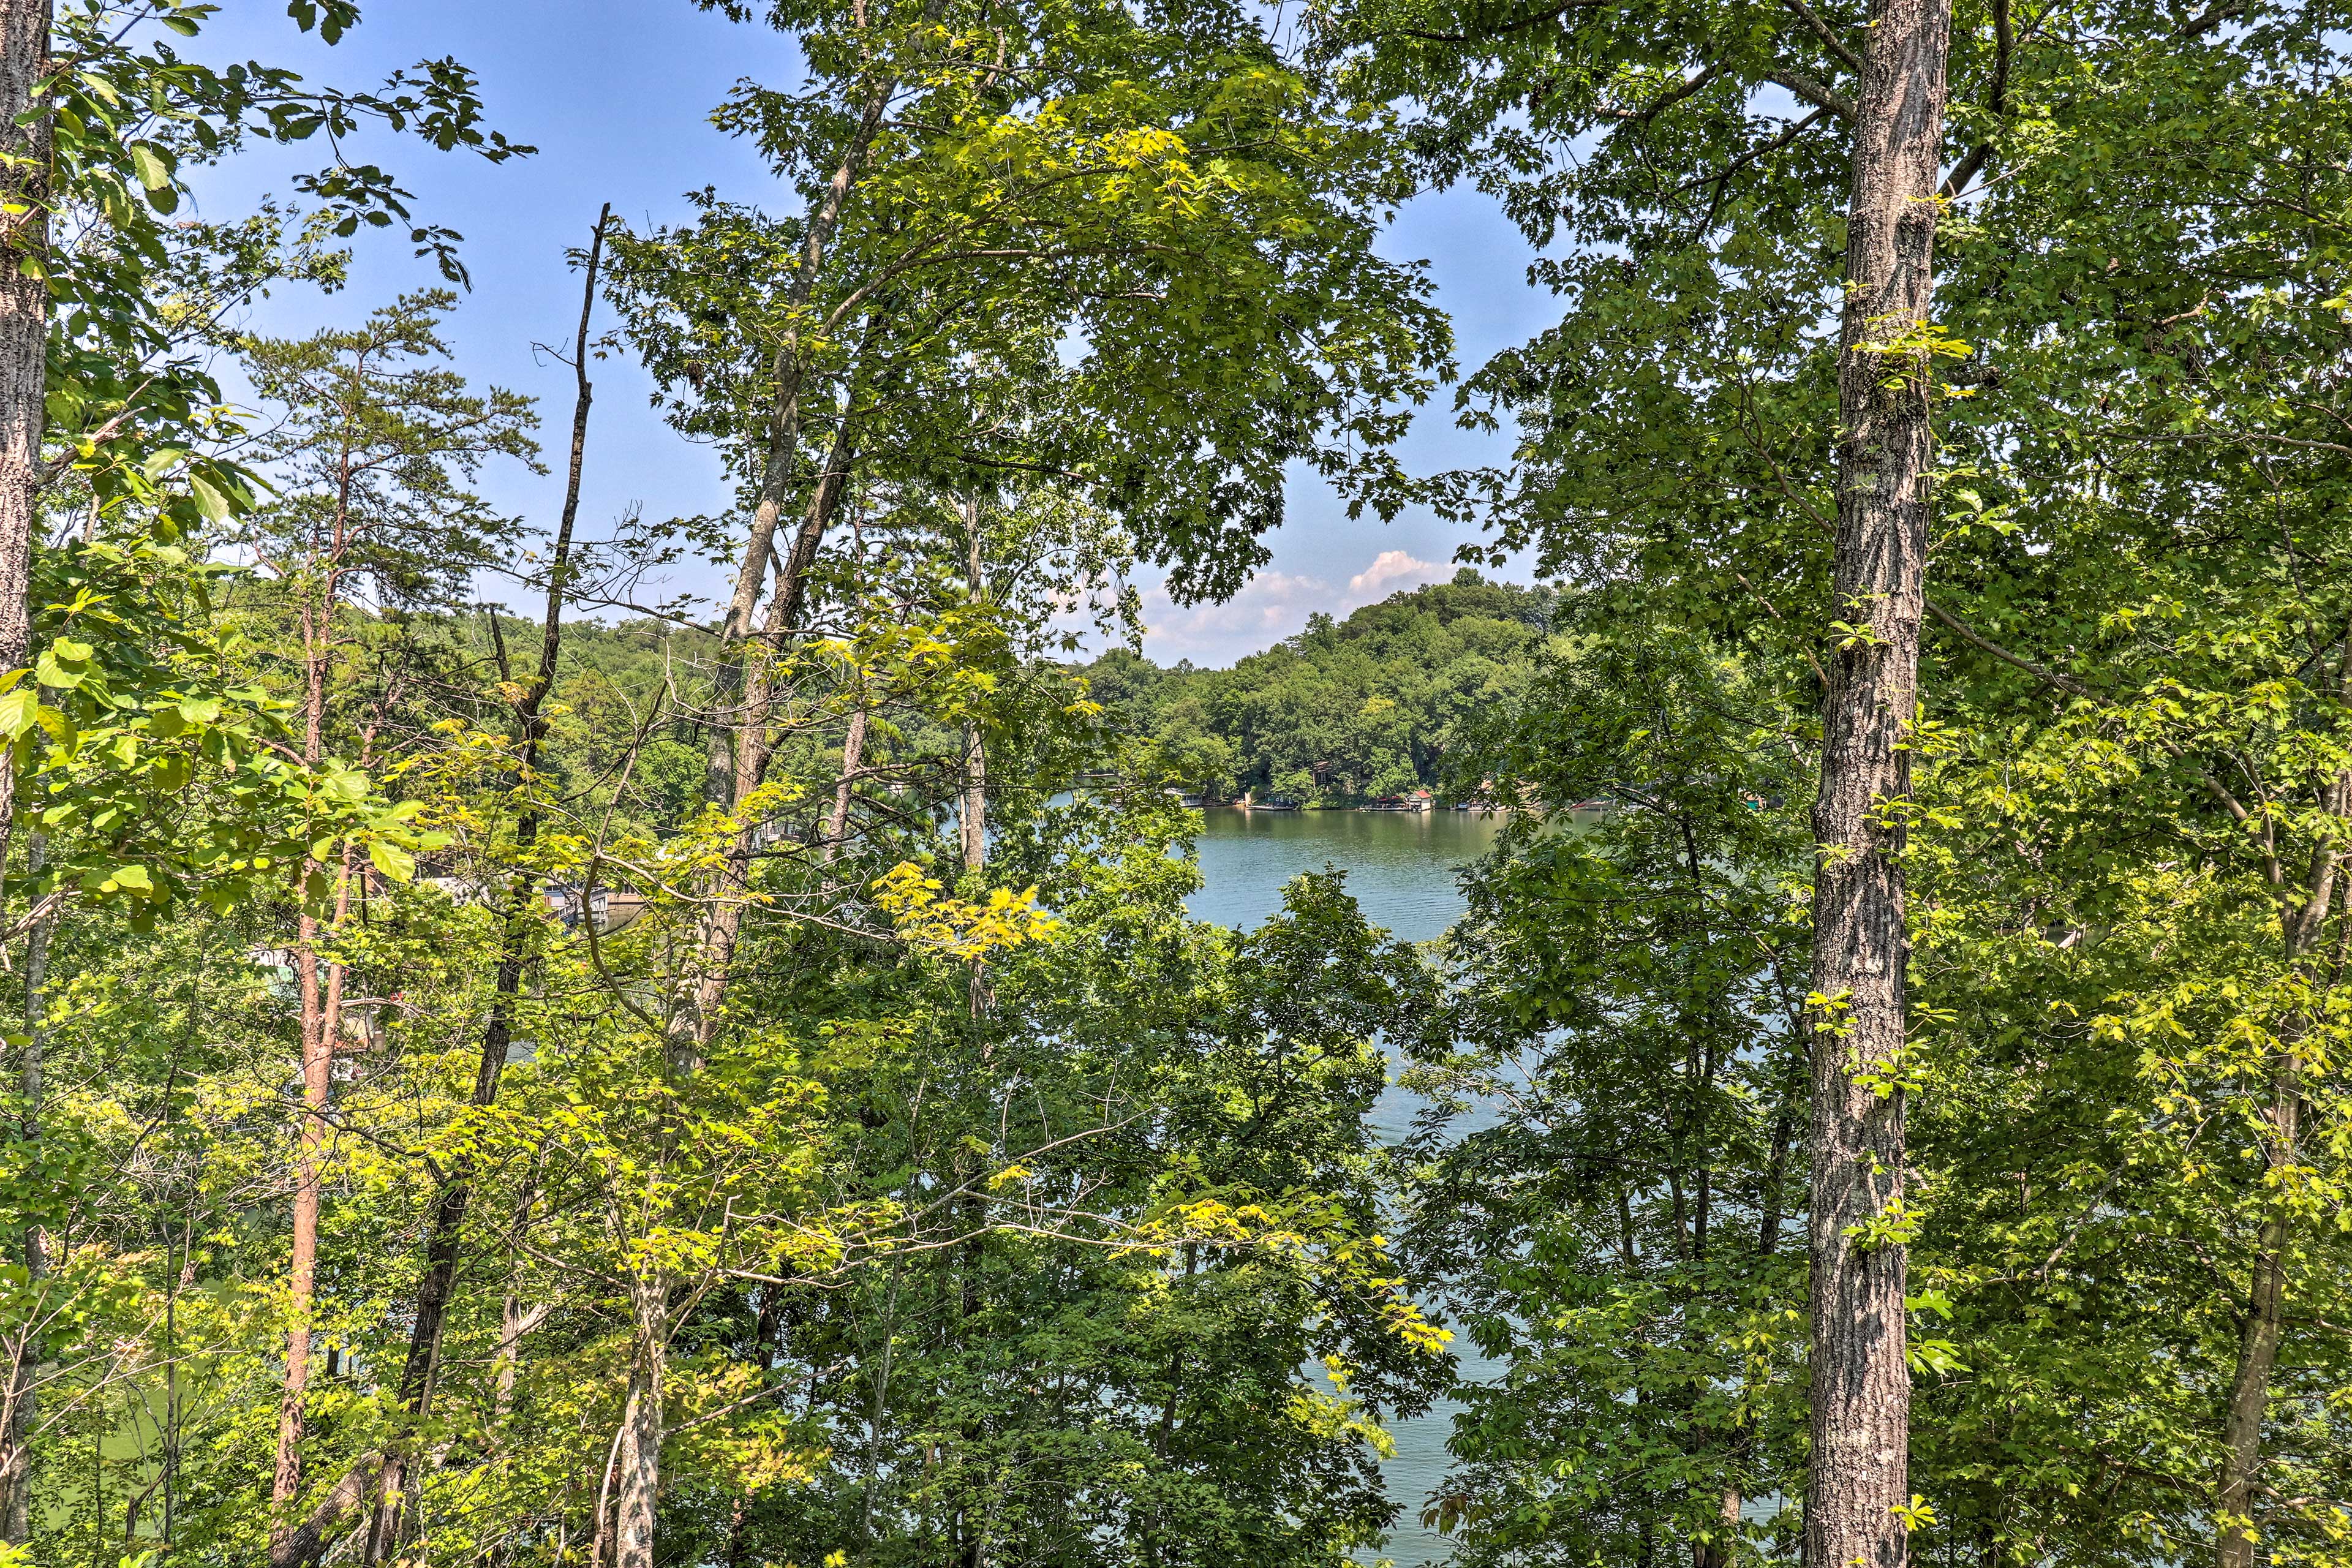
(213, 503)
(49, 671)
(19, 710)
(391, 859)
(149, 165)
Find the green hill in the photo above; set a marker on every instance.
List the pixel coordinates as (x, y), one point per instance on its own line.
(1345, 710)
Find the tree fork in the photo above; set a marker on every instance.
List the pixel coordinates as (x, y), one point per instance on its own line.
(704, 990)
(777, 477)
(1857, 1485)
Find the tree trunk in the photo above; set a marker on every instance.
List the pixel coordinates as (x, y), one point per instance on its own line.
(853, 744)
(641, 1436)
(2236, 1545)
(317, 1065)
(778, 472)
(777, 478)
(24, 378)
(2302, 920)
(24, 1358)
(853, 752)
(1723, 1551)
(25, 27)
(1861, 1386)
(971, 814)
(703, 989)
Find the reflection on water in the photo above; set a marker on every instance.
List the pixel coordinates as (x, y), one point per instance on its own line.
(1402, 867)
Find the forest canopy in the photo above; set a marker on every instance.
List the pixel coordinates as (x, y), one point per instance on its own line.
(511, 1058)
(1367, 706)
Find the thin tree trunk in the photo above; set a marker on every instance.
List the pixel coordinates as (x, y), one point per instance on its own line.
(972, 813)
(516, 1318)
(2259, 1338)
(853, 744)
(24, 173)
(880, 1408)
(641, 1438)
(778, 473)
(853, 753)
(1861, 1386)
(383, 1476)
(2302, 922)
(1723, 1551)
(318, 1070)
(16, 1459)
(776, 478)
(703, 990)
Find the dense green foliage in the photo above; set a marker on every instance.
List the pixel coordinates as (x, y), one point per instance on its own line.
(499, 1083)
(1345, 710)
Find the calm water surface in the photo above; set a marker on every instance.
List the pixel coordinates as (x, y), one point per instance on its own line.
(1401, 868)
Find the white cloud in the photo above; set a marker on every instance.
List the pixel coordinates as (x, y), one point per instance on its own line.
(1272, 607)
(1394, 569)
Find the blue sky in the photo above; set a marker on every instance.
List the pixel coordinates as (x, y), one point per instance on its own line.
(616, 94)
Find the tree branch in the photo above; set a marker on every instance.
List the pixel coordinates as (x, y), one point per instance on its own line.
(1820, 94)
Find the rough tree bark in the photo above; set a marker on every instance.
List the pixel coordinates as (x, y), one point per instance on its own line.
(1861, 1386)
(25, 145)
(25, 150)
(639, 1479)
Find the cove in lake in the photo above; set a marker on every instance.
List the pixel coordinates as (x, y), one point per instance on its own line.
(1402, 868)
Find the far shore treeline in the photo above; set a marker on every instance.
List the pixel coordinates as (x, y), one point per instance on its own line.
(1346, 711)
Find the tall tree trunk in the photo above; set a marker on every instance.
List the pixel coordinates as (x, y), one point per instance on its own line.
(779, 472)
(382, 1478)
(317, 1070)
(2236, 1545)
(1861, 1386)
(24, 139)
(24, 149)
(639, 1479)
(777, 478)
(2302, 918)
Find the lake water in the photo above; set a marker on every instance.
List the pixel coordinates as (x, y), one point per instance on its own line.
(1401, 869)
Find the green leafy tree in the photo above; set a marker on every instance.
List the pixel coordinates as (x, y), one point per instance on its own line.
(1616, 1152)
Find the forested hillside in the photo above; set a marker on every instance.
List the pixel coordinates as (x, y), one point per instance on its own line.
(1365, 707)
(536, 1038)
